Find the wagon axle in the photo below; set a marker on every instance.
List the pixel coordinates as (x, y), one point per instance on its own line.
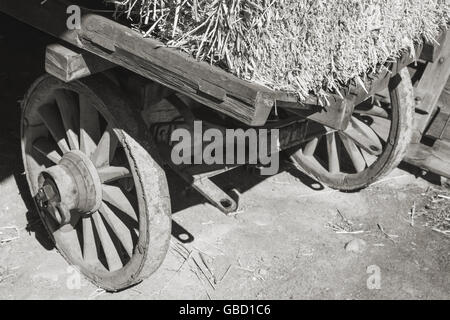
(72, 187)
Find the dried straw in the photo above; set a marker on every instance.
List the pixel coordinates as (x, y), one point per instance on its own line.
(302, 46)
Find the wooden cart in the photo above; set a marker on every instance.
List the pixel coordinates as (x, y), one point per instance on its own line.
(96, 128)
(430, 145)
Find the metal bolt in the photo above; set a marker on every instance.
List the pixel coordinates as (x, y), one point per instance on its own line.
(41, 198)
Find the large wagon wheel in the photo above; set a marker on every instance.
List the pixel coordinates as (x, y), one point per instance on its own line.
(102, 197)
(374, 143)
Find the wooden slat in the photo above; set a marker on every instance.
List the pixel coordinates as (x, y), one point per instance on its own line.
(440, 127)
(68, 65)
(435, 159)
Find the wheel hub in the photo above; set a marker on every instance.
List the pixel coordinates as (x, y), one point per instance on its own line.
(71, 187)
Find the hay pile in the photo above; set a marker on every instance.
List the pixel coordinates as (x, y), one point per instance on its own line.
(300, 46)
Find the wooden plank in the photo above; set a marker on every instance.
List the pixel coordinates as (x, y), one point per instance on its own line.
(432, 50)
(440, 127)
(435, 159)
(434, 80)
(428, 93)
(68, 65)
(336, 115)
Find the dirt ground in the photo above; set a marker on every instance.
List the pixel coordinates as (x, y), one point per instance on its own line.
(282, 244)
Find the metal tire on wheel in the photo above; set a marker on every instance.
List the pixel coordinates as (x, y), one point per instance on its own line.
(99, 190)
(372, 146)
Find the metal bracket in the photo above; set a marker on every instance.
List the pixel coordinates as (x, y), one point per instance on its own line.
(215, 195)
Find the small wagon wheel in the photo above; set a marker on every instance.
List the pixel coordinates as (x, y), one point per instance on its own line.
(101, 195)
(374, 143)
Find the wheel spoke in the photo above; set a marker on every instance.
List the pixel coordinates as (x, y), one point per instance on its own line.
(382, 128)
(122, 232)
(70, 237)
(369, 158)
(364, 136)
(89, 244)
(109, 249)
(311, 147)
(110, 174)
(48, 149)
(115, 196)
(89, 126)
(317, 168)
(104, 153)
(355, 155)
(54, 124)
(333, 155)
(68, 108)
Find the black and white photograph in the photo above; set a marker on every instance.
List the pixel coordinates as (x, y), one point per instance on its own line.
(245, 152)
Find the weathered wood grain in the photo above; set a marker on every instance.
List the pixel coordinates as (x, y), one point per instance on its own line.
(69, 65)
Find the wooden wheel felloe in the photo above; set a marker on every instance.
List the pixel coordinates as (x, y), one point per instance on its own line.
(102, 197)
(374, 143)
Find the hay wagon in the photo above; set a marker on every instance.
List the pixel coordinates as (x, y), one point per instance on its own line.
(95, 133)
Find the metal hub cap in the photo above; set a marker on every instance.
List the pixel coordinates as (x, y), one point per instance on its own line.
(71, 186)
